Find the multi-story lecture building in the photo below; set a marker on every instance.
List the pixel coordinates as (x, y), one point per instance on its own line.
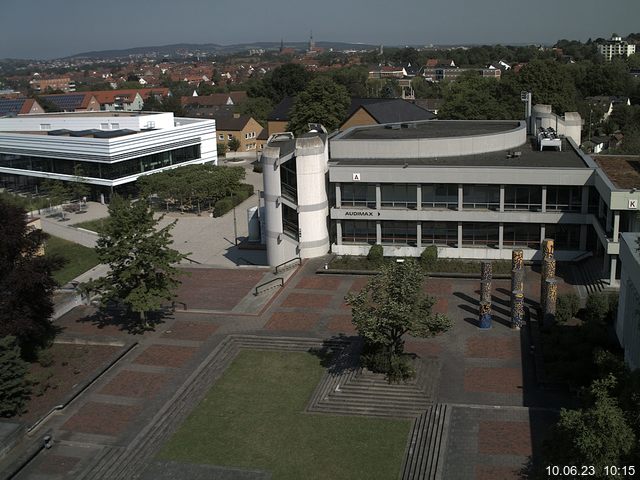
(475, 189)
(111, 149)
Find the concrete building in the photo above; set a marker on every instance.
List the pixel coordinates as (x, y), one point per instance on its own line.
(616, 47)
(475, 189)
(111, 149)
(628, 320)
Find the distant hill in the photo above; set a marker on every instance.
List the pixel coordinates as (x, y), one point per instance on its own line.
(181, 48)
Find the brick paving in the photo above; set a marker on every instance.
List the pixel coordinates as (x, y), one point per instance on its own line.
(165, 355)
(135, 384)
(102, 418)
(482, 373)
(57, 464)
(493, 380)
(292, 321)
(189, 330)
(216, 289)
(504, 438)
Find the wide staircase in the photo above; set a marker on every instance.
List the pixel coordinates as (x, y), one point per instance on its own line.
(589, 273)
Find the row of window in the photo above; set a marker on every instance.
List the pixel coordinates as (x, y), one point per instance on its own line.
(516, 197)
(567, 237)
(109, 171)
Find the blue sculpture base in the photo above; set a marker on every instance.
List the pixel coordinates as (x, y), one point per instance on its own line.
(516, 322)
(485, 321)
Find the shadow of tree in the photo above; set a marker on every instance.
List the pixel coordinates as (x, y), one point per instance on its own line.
(339, 354)
(125, 320)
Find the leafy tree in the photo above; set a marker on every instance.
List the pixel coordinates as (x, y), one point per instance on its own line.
(550, 84)
(14, 386)
(258, 108)
(391, 305)
(288, 80)
(79, 186)
(142, 272)
(233, 144)
(222, 149)
(390, 89)
(323, 101)
(26, 284)
(354, 79)
(597, 435)
(472, 97)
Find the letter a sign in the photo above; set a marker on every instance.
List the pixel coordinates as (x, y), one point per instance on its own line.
(356, 177)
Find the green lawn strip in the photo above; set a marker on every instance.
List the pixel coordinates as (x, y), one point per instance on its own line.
(93, 225)
(253, 418)
(79, 258)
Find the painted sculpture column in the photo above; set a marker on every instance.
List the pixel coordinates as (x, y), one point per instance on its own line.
(517, 309)
(517, 288)
(550, 301)
(485, 315)
(486, 274)
(547, 253)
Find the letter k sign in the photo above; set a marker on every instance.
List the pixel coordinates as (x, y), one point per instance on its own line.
(633, 204)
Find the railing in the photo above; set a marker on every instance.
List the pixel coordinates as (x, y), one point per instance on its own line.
(263, 287)
(286, 265)
(193, 261)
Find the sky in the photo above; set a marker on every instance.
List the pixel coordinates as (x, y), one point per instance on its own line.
(42, 29)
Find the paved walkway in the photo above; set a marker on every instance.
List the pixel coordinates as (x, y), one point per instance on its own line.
(498, 415)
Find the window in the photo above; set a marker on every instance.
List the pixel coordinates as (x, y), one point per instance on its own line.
(289, 180)
(290, 222)
(566, 237)
(399, 195)
(229, 137)
(564, 199)
(221, 136)
(440, 196)
(358, 195)
(104, 126)
(403, 233)
(521, 235)
(480, 234)
(481, 197)
(357, 231)
(440, 233)
(45, 126)
(523, 197)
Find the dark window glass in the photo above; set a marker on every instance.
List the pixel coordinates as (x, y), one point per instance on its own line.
(481, 196)
(289, 180)
(523, 197)
(440, 196)
(355, 231)
(290, 221)
(566, 237)
(521, 235)
(564, 199)
(440, 233)
(358, 195)
(480, 234)
(403, 233)
(398, 195)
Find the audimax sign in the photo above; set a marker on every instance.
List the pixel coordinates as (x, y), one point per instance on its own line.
(360, 213)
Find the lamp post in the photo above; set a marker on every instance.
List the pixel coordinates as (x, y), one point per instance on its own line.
(235, 223)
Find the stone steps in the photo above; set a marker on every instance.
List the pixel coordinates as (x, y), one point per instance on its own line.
(428, 441)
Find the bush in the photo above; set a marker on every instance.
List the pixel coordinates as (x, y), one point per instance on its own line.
(567, 307)
(376, 254)
(14, 386)
(222, 149)
(429, 257)
(613, 298)
(257, 166)
(222, 206)
(45, 358)
(397, 368)
(597, 307)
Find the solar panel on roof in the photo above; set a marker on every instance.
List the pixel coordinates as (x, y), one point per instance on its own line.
(11, 106)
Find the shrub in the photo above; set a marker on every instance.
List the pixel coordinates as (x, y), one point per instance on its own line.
(429, 257)
(613, 298)
(45, 358)
(597, 307)
(397, 368)
(222, 206)
(222, 149)
(257, 167)
(14, 386)
(376, 254)
(567, 307)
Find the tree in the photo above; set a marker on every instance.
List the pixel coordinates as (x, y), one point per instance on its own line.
(14, 386)
(472, 97)
(222, 149)
(258, 108)
(550, 83)
(287, 81)
(233, 144)
(597, 435)
(323, 101)
(354, 79)
(142, 272)
(391, 305)
(79, 187)
(26, 283)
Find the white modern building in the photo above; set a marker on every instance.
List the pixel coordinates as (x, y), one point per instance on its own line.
(616, 47)
(475, 189)
(112, 149)
(628, 321)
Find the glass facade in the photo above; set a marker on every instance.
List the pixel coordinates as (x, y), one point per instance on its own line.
(359, 232)
(290, 221)
(440, 233)
(109, 171)
(440, 196)
(521, 235)
(400, 195)
(481, 197)
(567, 237)
(564, 199)
(404, 233)
(480, 234)
(358, 195)
(523, 197)
(289, 180)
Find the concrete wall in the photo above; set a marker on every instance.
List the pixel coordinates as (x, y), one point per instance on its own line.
(84, 121)
(430, 147)
(628, 321)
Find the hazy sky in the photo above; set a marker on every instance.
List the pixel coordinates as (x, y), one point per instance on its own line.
(48, 29)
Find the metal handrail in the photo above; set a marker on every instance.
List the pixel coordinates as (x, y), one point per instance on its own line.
(280, 279)
(298, 259)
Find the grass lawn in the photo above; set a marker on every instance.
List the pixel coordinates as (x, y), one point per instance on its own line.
(93, 225)
(253, 418)
(79, 258)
